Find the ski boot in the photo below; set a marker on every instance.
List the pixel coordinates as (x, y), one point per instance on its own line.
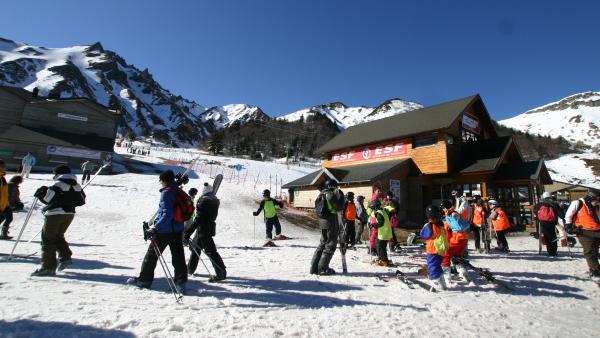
(448, 277)
(64, 264)
(5, 233)
(280, 237)
(327, 272)
(438, 284)
(269, 243)
(219, 277)
(595, 275)
(43, 273)
(136, 282)
(463, 274)
(181, 288)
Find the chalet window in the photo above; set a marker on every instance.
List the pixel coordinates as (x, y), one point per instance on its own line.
(422, 141)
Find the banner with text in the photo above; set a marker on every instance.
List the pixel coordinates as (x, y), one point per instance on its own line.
(73, 152)
(470, 123)
(383, 150)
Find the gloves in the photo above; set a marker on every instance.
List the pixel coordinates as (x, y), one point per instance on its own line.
(571, 229)
(255, 213)
(148, 231)
(40, 192)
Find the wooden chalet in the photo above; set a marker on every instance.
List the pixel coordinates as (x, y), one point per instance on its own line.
(422, 155)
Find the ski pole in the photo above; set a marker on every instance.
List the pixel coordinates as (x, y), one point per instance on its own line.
(193, 247)
(35, 200)
(178, 296)
(96, 174)
(254, 234)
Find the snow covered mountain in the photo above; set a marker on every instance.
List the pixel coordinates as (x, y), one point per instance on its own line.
(345, 117)
(93, 72)
(576, 118)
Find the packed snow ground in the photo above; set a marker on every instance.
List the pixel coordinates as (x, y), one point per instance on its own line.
(269, 291)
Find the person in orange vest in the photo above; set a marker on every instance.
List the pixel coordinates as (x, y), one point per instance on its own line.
(456, 229)
(350, 218)
(583, 219)
(479, 225)
(435, 239)
(499, 220)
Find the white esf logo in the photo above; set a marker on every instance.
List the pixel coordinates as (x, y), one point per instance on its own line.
(366, 154)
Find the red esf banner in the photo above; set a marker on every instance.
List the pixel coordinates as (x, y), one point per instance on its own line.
(370, 153)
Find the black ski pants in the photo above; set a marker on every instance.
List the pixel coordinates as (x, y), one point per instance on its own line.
(6, 217)
(589, 241)
(549, 232)
(270, 223)
(326, 247)
(477, 235)
(361, 229)
(382, 249)
(206, 244)
(350, 233)
(174, 241)
(501, 239)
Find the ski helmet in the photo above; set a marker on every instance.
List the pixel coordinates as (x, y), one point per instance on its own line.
(546, 195)
(592, 196)
(331, 183)
(266, 193)
(376, 204)
(193, 192)
(360, 198)
(433, 212)
(447, 204)
(350, 195)
(493, 203)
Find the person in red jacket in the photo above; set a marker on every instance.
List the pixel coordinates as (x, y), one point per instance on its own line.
(456, 229)
(499, 220)
(350, 218)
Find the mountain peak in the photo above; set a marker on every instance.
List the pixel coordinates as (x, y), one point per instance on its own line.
(97, 47)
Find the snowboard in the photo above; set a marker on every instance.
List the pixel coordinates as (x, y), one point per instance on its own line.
(217, 183)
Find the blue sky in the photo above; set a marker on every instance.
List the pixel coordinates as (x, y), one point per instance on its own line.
(287, 55)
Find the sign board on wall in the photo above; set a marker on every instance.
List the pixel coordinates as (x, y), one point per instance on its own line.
(72, 117)
(73, 152)
(383, 150)
(470, 123)
(395, 187)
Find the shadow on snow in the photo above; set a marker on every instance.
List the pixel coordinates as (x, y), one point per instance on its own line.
(32, 328)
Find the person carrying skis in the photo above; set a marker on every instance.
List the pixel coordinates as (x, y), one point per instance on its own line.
(456, 228)
(547, 212)
(349, 219)
(27, 163)
(361, 217)
(270, 213)
(499, 220)
(86, 167)
(5, 210)
(436, 245)
(479, 224)
(461, 204)
(165, 231)
(61, 199)
(207, 210)
(381, 221)
(583, 220)
(329, 202)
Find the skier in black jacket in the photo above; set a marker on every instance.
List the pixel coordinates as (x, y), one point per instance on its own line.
(330, 228)
(547, 212)
(61, 199)
(207, 209)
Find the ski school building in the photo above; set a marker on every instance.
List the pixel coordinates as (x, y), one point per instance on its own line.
(422, 155)
(56, 131)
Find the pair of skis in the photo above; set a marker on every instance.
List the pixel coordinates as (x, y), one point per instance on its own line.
(411, 283)
(485, 273)
(342, 241)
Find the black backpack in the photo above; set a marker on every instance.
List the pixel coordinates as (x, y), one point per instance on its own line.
(337, 200)
(321, 207)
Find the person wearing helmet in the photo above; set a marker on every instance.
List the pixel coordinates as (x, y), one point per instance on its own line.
(377, 196)
(391, 206)
(436, 245)
(381, 221)
(499, 220)
(271, 220)
(456, 230)
(583, 219)
(330, 226)
(350, 219)
(361, 217)
(61, 199)
(547, 212)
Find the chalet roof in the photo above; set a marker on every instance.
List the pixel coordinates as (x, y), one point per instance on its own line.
(531, 170)
(436, 117)
(359, 173)
(483, 155)
(20, 92)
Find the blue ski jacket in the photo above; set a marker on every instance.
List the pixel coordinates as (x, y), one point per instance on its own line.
(166, 209)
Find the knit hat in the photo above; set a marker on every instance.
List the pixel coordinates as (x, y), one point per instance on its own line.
(167, 176)
(206, 189)
(61, 169)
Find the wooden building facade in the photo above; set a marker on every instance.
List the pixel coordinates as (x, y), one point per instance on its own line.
(422, 155)
(55, 131)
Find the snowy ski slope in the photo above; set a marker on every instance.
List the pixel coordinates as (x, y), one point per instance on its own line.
(269, 292)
